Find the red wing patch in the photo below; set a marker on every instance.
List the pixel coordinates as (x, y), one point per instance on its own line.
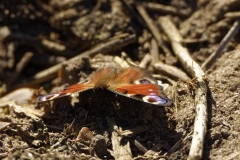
(149, 93)
(68, 91)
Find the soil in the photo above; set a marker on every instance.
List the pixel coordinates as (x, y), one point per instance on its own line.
(50, 32)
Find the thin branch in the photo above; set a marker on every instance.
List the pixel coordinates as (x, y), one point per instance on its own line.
(177, 145)
(172, 71)
(4, 33)
(154, 51)
(20, 66)
(113, 44)
(42, 43)
(231, 33)
(121, 148)
(165, 9)
(194, 70)
(134, 131)
(131, 13)
(153, 29)
(139, 146)
(10, 54)
(44, 7)
(232, 15)
(145, 61)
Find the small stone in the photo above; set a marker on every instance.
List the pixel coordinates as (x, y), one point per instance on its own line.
(99, 145)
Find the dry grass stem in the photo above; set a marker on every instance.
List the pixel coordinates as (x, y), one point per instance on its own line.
(200, 124)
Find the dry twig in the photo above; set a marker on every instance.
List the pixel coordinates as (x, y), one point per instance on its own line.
(121, 151)
(153, 29)
(154, 51)
(20, 66)
(133, 14)
(231, 33)
(44, 7)
(232, 15)
(194, 70)
(165, 9)
(121, 62)
(133, 131)
(177, 145)
(37, 42)
(193, 41)
(146, 59)
(140, 146)
(10, 53)
(172, 71)
(4, 33)
(113, 44)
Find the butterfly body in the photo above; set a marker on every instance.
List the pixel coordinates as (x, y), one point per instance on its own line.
(132, 82)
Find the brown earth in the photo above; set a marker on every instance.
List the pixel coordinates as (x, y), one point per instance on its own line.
(52, 32)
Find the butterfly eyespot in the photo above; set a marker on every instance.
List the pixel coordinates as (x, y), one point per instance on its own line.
(144, 81)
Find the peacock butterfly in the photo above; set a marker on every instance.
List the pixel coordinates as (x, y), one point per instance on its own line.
(132, 82)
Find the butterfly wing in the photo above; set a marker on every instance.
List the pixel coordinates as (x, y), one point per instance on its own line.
(137, 83)
(149, 93)
(97, 79)
(132, 82)
(79, 87)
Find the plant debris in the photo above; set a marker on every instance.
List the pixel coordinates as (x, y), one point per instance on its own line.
(46, 46)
